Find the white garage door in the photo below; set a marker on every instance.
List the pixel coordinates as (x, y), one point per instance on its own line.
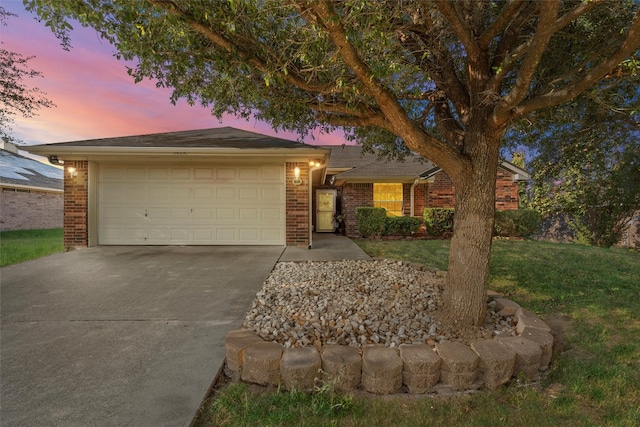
(191, 205)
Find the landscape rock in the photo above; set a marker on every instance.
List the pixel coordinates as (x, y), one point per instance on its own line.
(544, 339)
(300, 368)
(235, 342)
(459, 364)
(381, 370)
(497, 362)
(341, 366)
(528, 355)
(262, 363)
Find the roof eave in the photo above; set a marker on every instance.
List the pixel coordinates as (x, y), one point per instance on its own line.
(95, 153)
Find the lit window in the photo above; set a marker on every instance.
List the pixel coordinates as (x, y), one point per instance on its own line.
(388, 196)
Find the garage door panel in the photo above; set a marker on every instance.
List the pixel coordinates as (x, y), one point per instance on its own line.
(204, 214)
(248, 214)
(272, 174)
(203, 204)
(156, 214)
(157, 173)
(248, 193)
(225, 174)
(248, 174)
(180, 173)
(203, 173)
(273, 214)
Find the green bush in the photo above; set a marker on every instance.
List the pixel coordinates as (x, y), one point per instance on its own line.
(438, 220)
(405, 225)
(371, 221)
(519, 223)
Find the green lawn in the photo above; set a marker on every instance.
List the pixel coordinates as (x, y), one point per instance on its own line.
(22, 245)
(592, 294)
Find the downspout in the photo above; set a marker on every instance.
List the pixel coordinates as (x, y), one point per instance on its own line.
(311, 171)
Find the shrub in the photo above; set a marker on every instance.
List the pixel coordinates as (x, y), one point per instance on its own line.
(405, 225)
(438, 220)
(519, 223)
(371, 221)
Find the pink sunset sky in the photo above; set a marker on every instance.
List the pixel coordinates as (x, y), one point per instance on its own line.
(94, 95)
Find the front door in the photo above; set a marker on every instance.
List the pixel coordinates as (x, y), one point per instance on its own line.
(325, 210)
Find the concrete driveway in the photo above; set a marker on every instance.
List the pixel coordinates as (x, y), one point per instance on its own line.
(121, 336)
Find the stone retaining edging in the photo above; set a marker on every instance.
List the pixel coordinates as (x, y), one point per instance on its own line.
(449, 366)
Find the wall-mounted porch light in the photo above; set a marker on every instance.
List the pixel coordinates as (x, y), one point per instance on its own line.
(296, 176)
(72, 171)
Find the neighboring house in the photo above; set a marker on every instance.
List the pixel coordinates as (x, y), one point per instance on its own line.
(219, 186)
(404, 188)
(30, 192)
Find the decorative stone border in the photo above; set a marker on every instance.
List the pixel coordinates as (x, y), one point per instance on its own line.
(450, 366)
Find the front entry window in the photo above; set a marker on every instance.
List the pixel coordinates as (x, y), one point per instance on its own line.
(388, 196)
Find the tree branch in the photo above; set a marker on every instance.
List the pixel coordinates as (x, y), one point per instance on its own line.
(575, 13)
(505, 17)
(224, 43)
(460, 28)
(396, 119)
(630, 45)
(539, 43)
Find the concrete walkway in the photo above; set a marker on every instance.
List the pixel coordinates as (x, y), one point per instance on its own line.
(325, 247)
(128, 336)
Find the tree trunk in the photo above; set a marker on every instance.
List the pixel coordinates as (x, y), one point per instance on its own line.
(466, 289)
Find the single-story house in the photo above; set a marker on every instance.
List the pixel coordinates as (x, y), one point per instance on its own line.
(404, 188)
(226, 186)
(220, 186)
(30, 192)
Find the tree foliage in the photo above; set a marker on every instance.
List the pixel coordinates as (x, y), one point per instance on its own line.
(444, 79)
(589, 165)
(16, 96)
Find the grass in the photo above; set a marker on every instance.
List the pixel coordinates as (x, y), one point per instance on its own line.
(23, 245)
(591, 293)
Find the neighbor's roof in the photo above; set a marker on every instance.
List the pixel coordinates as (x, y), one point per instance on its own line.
(349, 162)
(17, 171)
(225, 140)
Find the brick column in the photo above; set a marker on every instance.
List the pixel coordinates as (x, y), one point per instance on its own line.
(298, 205)
(76, 205)
(355, 196)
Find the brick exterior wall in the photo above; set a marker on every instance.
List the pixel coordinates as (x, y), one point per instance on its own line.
(298, 204)
(506, 191)
(441, 193)
(76, 206)
(30, 210)
(355, 196)
(438, 194)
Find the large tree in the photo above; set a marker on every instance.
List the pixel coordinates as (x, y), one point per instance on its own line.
(444, 78)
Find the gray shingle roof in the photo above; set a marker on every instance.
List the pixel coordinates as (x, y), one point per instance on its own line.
(367, 165)
(225, 137)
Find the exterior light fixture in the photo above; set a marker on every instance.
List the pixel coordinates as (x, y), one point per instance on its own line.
(296, 176)
(72, 171)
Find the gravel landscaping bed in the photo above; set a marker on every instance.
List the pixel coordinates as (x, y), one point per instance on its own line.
(359, 302)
